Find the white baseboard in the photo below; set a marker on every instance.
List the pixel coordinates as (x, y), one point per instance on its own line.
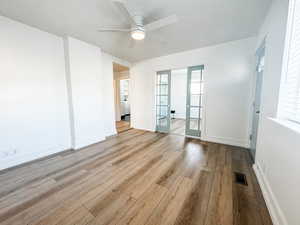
(275, 211)
(220, 140)
(145, 129)
(85, 142)
(226, 141)
(19, 159)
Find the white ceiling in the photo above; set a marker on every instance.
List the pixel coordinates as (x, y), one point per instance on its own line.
(201, 22)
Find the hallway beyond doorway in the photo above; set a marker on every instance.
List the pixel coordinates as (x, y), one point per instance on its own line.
(177, 126)
(122, 126)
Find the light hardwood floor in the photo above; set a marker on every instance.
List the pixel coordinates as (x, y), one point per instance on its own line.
(139, 178)
(177, 126)
(122, 126)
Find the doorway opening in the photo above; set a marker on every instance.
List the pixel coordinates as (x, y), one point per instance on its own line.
(179, 101)
(122, 97)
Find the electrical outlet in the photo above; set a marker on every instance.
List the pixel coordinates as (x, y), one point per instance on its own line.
(263, 166)
(11, 152)
(265, 169)
(14, 151)
(261, 163)
(3, 154)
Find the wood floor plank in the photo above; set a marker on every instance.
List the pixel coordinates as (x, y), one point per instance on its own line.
(152, 176)
(59, 214)
(21, 199)
(195, 207)
(136, 178)
(244, 207)
(170, 206)
(80, 216)
(220, 206)
(17, 178)
(143, 208)
(122, 126)
(112, 189)
(177, 126)
(112, 209)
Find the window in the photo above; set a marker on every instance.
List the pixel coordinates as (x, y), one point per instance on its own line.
(289, 100)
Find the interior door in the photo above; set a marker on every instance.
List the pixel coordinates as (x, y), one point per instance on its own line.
(163, 100)
(257, 100)
(194, 101)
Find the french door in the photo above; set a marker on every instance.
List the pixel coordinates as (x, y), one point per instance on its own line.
(163, 88)
(194, 101)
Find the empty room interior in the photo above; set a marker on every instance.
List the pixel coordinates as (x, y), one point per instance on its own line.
(121, 93)
(136, 112)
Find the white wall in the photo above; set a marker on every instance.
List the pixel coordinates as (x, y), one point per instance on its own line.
(91, 91)
(33, 95)
(86, 77)
(277, 160)
(228, 73)
(178, 92)
(53, 96)
(109, 93)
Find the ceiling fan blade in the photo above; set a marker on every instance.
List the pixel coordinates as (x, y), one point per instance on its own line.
(107, 29)
(121, 4)
(161, 23)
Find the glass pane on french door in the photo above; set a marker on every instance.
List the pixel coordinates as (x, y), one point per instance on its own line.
(163, 79)
(194, 101)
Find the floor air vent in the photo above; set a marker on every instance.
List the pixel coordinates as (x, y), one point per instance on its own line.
(240, 178)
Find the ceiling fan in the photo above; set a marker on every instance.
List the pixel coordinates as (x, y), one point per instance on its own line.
(138, 29)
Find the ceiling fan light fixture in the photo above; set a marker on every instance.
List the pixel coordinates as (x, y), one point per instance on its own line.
(138, 34)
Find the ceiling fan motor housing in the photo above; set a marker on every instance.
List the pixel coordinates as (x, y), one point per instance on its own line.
(138, 33)
(138, 30)
(138, 20)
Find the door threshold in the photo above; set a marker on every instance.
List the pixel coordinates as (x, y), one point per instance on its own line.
(195, 137)
(183, 135)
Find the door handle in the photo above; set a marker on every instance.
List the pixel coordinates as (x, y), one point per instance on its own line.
(257, 112)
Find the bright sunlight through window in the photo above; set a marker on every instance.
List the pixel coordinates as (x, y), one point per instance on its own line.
(289, 101)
